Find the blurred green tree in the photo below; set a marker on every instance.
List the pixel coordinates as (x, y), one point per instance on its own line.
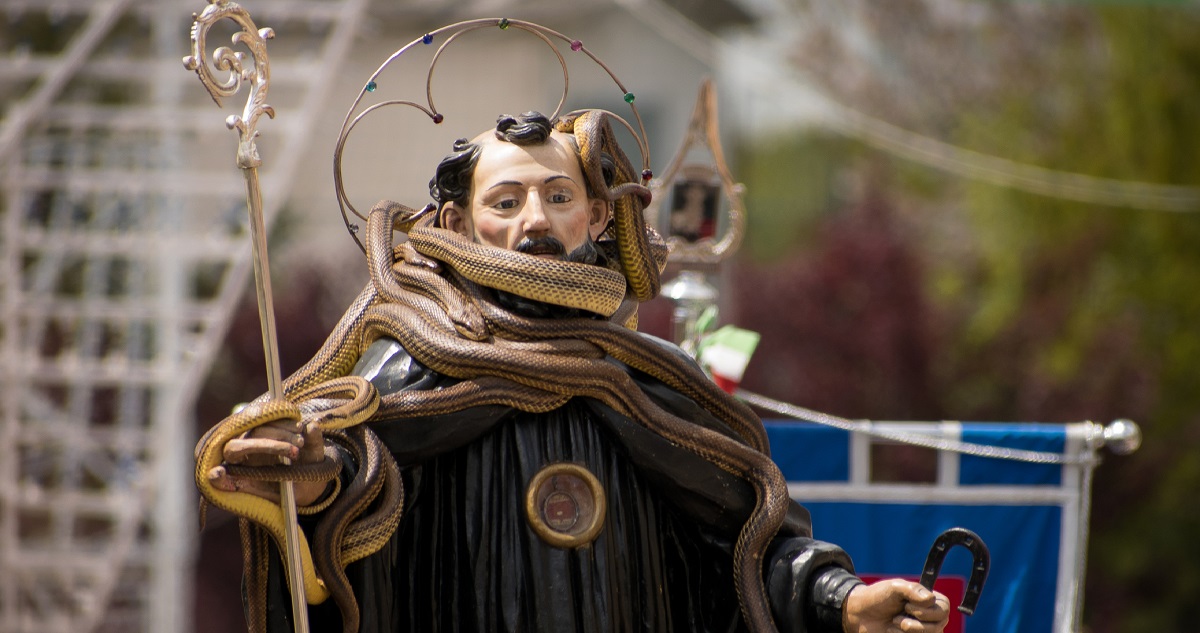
(1084, 310)
(1004, 305)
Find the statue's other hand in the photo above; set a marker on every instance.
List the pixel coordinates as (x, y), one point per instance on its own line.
(298, 441)
(265, 444)
(895, 606)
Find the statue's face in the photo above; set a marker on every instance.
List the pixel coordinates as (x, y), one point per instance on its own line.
(520, 194)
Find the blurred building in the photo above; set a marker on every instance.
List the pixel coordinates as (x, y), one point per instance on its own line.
(124, 250)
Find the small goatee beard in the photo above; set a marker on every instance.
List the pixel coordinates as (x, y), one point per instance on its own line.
(587, 253)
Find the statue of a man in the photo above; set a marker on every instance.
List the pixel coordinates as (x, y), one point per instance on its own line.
(588, 478)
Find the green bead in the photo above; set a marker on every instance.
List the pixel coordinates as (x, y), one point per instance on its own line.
(371, 86)
(503, 23)
(629, 97)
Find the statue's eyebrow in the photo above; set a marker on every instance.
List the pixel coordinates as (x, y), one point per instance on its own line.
(510, 183)
(558, 177)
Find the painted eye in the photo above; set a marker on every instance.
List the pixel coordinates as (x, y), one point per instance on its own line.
(507, 203)
(560, 198)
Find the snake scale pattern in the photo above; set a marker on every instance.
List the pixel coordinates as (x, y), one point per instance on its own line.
(434, 295)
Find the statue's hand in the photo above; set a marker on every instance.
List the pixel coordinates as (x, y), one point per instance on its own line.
(895, 605)
(299, 441)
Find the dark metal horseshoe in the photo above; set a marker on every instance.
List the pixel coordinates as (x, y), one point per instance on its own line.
(982, 560)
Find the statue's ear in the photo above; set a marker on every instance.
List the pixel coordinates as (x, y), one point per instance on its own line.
(453, 217)
(599, 213)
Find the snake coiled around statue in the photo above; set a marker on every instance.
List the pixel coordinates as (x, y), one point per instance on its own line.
(434, 294)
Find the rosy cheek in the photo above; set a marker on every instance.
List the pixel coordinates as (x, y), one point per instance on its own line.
(492, 233)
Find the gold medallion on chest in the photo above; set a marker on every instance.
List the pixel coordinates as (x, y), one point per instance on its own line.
(565, 505)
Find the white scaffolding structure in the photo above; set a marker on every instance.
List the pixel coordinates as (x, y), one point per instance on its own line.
(122, 255)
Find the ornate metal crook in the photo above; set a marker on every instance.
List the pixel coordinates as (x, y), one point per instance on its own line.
(979, 565)
(258, 76)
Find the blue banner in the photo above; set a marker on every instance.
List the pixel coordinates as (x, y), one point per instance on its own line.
(1018, 508)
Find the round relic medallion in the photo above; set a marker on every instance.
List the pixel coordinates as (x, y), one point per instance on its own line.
(565, 505)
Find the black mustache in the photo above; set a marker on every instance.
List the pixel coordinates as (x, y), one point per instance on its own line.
(541, 245)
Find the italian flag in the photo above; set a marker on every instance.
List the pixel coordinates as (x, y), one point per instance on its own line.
(725, 353)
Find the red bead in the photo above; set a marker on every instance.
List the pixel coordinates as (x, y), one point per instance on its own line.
(437, 118)
(576, 45)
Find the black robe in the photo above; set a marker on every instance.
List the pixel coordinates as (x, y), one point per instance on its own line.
(465, 557)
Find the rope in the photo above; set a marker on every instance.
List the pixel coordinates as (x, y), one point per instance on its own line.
(1008, 173)
(915, 439)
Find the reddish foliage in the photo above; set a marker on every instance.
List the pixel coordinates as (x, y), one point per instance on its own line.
(845, 329)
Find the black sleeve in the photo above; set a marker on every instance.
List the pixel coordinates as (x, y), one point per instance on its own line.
(807, 584)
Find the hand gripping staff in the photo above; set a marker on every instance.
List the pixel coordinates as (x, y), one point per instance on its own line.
(248, 160)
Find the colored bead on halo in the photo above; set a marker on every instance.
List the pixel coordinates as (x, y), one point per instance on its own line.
(427, 39)
(371, 86)
(576, 45)
(503, 23)
(629, 97)
(438, 118)
(647, 174)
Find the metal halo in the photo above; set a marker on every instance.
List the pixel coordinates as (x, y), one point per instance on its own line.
(337, 161)
(520, 25)
(352, 119)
